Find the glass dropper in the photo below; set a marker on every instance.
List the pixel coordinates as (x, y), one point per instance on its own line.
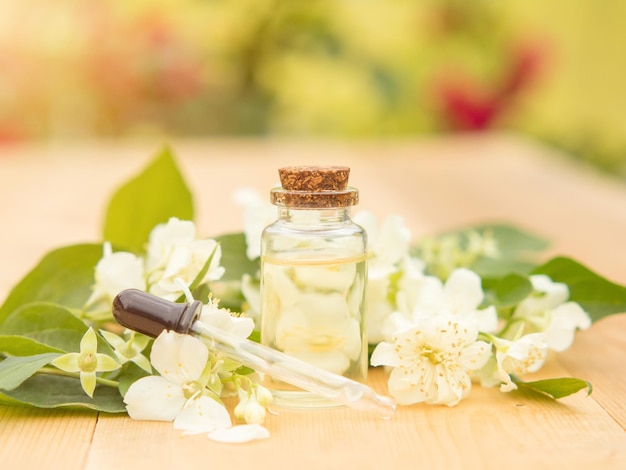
(150, 315)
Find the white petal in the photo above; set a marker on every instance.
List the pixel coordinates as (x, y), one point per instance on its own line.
(117, 272)
(463, 291)
(407, 390)
(385, 355)
(222, 319)
(486, 319)
(475, 356)
(507, 383)
(154, 398)
(394, 240)
(566, 318)
(202, 415)
(557, 291)
(527, 354)
(179, 358)
(551, 295)
(451, 387)
(240, 433)
(430, 299)
(395, 323)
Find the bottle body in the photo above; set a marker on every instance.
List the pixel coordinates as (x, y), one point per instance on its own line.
(313, 278)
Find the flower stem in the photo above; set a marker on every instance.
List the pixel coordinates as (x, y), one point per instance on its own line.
(100, 380)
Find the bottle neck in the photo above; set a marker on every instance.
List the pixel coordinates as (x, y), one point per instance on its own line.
(307, 216)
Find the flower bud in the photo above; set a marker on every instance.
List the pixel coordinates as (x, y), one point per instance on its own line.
(254, 413)
(239, 410)
(263, 395)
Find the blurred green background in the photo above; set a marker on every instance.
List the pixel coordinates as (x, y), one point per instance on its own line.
(555, 70)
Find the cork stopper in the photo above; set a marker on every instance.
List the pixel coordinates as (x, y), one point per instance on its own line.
(314, 187)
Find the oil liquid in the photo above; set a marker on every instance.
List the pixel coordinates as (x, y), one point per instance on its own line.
(313, 309)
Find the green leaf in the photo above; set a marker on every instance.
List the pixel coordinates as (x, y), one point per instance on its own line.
(507, 291)
(556, 388)
(513, 241)
(517, 251)
(63, 276)
(152, 197)
(47, 324)
(234, 258)
(498, 267)
(15, 345)
(15, 370)
(52, 391)
(595, 294)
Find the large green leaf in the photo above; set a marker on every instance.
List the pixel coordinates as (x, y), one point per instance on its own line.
(517, 248)
(152, 197)
(51, 391)
(507, 291)
(595, 294)
(63, 276)
(556, 388)
(16, 345)
(513, 241)
(47, 324)
(15, 370)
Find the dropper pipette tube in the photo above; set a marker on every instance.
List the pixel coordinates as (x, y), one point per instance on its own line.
(151, 315)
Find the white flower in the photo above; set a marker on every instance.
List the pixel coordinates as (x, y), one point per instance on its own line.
(546, 310)
(174, 252)
(546, 296)
(459, 298)
(221, 318)
(522, 356)
(116, 272)
(431, 361)
(179, 394)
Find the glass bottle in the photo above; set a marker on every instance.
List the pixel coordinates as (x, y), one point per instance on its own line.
(313, 278)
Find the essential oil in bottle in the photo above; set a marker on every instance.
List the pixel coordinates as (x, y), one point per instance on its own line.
(313, 278)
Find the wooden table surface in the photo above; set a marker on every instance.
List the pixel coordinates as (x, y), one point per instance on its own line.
(55, 195)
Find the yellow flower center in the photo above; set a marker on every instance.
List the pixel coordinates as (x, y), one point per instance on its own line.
(191, 389)
(435, 357)
(87, 362)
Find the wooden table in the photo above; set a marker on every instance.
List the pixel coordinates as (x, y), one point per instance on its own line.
(55, 195)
